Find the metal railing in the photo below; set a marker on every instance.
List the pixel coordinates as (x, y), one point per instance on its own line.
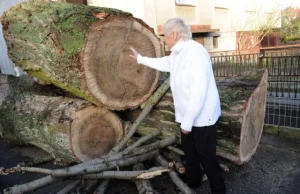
(283, 96)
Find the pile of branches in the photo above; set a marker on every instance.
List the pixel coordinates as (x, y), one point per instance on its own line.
(128, 152)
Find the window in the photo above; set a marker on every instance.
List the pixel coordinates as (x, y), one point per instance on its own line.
(221, 4)
(186, 2)
(215, 42)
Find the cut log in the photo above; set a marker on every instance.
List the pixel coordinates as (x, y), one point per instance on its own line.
(240, 126)
(177, 161)
(28, 116)
(94, 131)
(84, 50)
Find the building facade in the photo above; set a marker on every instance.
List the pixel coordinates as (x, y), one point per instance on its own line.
(218, 24)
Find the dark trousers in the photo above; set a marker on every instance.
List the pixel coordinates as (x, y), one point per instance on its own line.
(199, 146)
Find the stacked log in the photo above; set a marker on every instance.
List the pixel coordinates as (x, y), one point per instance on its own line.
(83, 50)
(29, 114)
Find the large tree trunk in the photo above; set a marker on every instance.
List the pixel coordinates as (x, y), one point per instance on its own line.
(84, 50)
(243, 101)
(54, 123)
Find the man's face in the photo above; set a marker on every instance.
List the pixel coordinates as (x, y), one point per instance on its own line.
(171, 39)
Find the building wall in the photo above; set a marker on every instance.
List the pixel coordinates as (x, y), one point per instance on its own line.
(6, 65)
(231, 16)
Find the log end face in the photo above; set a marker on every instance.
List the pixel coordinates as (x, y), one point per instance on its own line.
(113, 77)
(93, 132)
(253, 120)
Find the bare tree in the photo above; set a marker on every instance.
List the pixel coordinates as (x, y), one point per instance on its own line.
(256, 25)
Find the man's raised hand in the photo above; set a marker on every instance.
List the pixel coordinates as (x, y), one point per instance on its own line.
(134, 53)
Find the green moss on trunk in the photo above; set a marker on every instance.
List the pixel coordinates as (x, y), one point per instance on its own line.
(47, 38)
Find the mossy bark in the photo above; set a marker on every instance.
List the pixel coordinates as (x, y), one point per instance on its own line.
(47, 39)
(30, 114)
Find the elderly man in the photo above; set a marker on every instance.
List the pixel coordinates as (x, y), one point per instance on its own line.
(196, 100)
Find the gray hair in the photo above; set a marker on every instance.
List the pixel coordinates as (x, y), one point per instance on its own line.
(178, 25)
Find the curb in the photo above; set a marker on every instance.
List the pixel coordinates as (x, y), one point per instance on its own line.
(283, 131)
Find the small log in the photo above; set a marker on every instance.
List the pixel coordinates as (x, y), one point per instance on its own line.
(177, 161)
(174, 177)
(84, 50)
(143, 186)
(30, 114)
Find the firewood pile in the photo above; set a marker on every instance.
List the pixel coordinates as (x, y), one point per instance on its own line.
(93, 105)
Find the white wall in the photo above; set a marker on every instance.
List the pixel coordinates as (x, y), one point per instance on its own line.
(6, 64)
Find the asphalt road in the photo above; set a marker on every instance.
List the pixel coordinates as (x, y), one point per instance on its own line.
(274, 169)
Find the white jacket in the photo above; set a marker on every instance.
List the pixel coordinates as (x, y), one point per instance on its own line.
(196, 98)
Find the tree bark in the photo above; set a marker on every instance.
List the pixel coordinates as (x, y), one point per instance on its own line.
(84, 50)
(240, 126)
(136, 174)
(51, 122)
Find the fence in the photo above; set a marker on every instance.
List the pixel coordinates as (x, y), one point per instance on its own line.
(283, 96)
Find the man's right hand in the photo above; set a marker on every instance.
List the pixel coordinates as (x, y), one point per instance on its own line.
(134, 53)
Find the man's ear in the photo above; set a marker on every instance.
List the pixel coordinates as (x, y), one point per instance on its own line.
(175, 35)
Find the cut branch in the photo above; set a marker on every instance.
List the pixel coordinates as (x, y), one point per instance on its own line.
(174, 177)
(126, 175)
(143, 186)
(102, 166)
(176, 150)
(143, 140)
(177, 161)
(112, 157)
